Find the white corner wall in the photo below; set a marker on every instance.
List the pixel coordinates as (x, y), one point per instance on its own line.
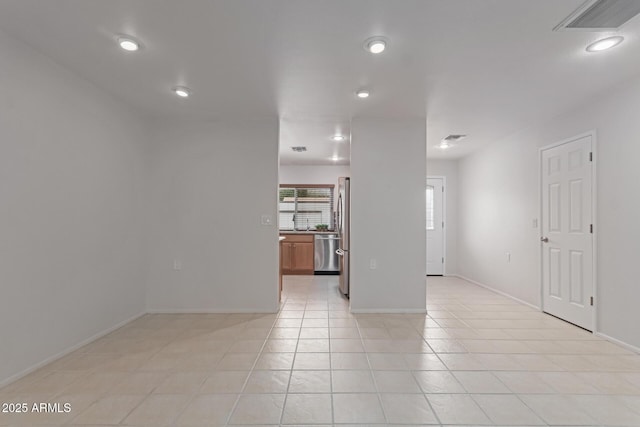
(388, 171)
(448, 169)
(498, 201)
(71, 181)
(210, 183)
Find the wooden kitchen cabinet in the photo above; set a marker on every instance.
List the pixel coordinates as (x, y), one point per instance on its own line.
(302, 258)
(296, 254)
(286, 256)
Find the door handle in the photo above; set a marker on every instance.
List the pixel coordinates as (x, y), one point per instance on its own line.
(340, 252)
(544, 239)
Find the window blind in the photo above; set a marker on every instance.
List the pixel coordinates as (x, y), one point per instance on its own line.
(305, 207)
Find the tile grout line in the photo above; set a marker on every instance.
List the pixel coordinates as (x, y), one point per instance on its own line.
(149, 394)
(375, 384)
(457, 381)
(333, 412)
(255, 362)
(435, 414)
(295, 355)
(194, 395)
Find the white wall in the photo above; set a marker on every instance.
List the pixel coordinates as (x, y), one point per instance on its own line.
(498, 200)
(448, 169)
(312, 174)
(71, 181)
(210, 183)
(388, 170)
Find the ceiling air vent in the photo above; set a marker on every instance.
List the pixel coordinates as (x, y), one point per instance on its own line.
(600, 15)
(299, 149)
(454, 138)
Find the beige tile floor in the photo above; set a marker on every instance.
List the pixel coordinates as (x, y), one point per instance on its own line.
(477, 359)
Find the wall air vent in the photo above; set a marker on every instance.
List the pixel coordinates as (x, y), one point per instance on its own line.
(600, 15)
(299, 149)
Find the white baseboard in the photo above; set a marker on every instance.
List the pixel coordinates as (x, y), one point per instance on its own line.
(389, 311)
(504, 294)
(618, 342)
(71, 349)
(211, 311)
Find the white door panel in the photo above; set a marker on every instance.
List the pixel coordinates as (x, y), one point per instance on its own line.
(435, 230)
(567, 255)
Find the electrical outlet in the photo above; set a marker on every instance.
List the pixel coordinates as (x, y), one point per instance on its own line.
(177, 265)
(535, 223)
(373, 264)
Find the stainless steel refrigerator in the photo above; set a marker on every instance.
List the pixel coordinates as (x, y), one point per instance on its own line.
(343, 220)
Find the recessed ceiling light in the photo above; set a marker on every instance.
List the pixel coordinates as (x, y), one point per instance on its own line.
(443, 145)
(605, 44)
(375, 44)
(128, 43)
(362, 94)
(335, 158)
(338, 138)
(181, 91)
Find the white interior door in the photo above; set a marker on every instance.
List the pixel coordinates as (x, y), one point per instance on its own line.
(435, 227)
(567, 239)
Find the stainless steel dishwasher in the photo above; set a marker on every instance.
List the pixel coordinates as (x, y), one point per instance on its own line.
(326, 260)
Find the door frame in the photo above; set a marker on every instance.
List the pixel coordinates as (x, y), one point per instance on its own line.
(594, 236)
(444, 219)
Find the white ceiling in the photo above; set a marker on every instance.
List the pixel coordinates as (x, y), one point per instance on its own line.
(486, 68)
(315, 134)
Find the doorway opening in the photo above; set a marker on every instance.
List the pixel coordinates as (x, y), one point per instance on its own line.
(314, 155)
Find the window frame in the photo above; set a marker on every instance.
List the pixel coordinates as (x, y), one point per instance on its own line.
(430, 210)
(332, 225)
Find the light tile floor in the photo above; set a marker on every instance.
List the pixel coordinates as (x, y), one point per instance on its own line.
(477, 359)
